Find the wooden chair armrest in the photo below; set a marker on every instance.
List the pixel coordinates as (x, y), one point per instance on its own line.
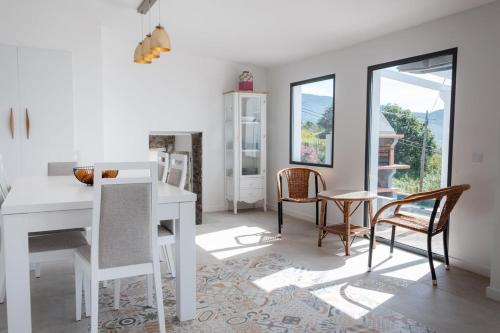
(403, 202)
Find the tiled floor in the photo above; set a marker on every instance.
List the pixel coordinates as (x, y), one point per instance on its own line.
(456, 305)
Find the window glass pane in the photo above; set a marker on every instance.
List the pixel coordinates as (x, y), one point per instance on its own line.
(312, 114)
(250, 136)
(410, 137)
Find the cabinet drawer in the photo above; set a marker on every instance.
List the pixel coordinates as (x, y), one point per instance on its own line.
(252, 182)
(251, 195)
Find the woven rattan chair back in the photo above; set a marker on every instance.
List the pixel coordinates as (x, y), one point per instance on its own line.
(451, 196)
(298, 182)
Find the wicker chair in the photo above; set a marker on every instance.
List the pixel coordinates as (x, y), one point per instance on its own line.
(298, 189)
(418, 223)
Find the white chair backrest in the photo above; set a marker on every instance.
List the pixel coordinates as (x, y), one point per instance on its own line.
(4, 185)
(124, 216)
(163, 165)
(2, 199)
(60, 168)
(178, 170)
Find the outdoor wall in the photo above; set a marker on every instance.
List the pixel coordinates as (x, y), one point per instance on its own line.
(475, 153)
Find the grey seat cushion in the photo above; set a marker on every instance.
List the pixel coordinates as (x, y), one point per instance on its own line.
(50, 232)
(174, 177)
(60, 168)
(56, 241)
(84, 251)
(125, 225)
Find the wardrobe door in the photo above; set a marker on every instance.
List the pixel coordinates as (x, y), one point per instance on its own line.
(46, 101)
(9, 111)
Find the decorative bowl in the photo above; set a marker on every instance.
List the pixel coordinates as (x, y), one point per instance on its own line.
(85, 174)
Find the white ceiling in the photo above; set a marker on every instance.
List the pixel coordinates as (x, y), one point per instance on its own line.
(272, 32)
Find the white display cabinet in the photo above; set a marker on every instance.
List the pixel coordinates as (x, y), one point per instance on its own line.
(245, 148)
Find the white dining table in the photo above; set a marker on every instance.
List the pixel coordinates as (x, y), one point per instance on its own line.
(54, 203)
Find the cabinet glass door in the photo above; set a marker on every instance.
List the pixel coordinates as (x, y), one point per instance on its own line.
(229, 134)
(251, 143)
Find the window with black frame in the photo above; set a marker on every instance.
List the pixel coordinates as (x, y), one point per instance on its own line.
(312, 121)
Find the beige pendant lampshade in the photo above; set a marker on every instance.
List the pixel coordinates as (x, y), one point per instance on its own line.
(146, 48)
(160, 41)
(138, 58)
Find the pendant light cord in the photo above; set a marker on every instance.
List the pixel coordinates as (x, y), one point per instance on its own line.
(142, 26)
(149, 10)
(159, 12)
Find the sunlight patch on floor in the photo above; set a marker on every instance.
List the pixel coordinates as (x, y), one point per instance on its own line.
(234, 241)
(354, 301)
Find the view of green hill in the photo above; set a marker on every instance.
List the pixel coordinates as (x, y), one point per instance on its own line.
(435, 124)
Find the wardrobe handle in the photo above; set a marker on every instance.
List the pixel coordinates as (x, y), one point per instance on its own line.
(27, 124)
(11, 123)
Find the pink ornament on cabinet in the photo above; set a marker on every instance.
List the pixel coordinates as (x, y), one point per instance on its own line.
(246, 81)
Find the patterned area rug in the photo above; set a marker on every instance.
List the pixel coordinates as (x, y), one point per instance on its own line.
(253, 295)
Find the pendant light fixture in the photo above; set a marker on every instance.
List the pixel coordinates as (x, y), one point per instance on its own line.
(147, 52)
(160, 41)
(138, 53)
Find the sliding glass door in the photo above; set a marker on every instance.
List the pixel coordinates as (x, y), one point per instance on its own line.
(410, 135)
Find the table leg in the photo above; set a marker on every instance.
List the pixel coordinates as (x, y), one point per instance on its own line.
(17, 271)
(347, 213)
(322, 222)
(185, 254)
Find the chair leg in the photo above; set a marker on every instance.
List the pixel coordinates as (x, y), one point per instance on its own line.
(86, 294)
(38, 269)
(280, 216)
(393, 236)
(370, 251)
(117, 287)
(2, 276)
(445, 243)
(78, 292)
(2, 288)
(159, 295)
(149, 283)
(317, 212)
(431, 260)
(94, 299)
(170, 258)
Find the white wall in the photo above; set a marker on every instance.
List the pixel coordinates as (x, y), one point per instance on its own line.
(117, 103)
(475, 33)
(65, 25)
(493, 291)
(179, 92)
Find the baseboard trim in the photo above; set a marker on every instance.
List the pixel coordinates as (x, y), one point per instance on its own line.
(214, 208)
(483, 271)
(493, 293)
(301, 216)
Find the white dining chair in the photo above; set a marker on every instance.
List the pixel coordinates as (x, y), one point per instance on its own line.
(60, 168)
(4, 185)
(177, 171)
(2, 259)
(56, 245)
(124, 236)
(163, 165)
(166, 231)
(43, 247)
(175, 175)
